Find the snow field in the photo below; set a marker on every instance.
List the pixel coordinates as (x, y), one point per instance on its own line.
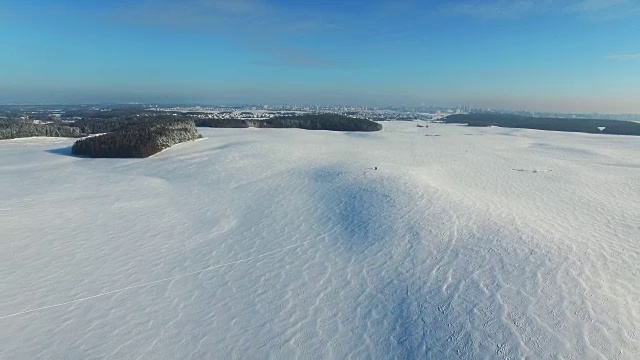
(285, 243)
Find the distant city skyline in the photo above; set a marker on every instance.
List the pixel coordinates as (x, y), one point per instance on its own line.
(578, 56)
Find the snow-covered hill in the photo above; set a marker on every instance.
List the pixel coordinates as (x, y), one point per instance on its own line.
(286, 243)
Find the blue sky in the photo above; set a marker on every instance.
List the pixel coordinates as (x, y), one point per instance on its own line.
(547, 55)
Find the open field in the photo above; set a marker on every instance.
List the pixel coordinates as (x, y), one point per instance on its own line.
(254, 243)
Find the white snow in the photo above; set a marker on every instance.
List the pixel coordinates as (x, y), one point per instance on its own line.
(285, 243)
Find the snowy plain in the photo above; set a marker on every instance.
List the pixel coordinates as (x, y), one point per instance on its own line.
(285, 243)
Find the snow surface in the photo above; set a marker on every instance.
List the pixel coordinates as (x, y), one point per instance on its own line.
(285, 243)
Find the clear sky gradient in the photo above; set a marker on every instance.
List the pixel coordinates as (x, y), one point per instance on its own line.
(546, 55)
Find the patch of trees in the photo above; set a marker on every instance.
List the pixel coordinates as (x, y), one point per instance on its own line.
(332, 122)
(592, 126)
(12, 129)
(137, 140)
(100, 126)
(103, 125)
(221, 123)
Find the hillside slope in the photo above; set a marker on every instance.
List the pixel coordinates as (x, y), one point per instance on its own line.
(254, 243)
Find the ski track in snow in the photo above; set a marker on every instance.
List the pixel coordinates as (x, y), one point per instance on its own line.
(283, 243)
(153, 282)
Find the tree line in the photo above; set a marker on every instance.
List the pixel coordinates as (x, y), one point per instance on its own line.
(331, 122)
(12, 129)
(102, 122)
(592, 126)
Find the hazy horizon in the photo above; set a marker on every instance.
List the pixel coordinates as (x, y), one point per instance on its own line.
(571, 56)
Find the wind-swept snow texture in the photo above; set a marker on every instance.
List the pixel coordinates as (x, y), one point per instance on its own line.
(286, 243)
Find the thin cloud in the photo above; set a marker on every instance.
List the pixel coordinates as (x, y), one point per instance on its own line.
(495, 9)
(624, 57)
(605, 10)
(596, 5)
(262, 27)
(194, 14)
(255, 18)
(509, 9)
